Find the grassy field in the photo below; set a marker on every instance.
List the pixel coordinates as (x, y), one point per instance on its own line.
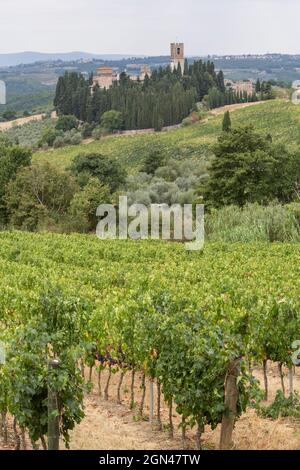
(280, 118)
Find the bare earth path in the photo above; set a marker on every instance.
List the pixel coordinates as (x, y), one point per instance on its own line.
(233, 107)
(108, 425)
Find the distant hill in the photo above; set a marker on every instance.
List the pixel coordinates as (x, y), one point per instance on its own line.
(8, 60)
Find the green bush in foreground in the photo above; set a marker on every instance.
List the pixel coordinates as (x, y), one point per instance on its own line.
(282, 407)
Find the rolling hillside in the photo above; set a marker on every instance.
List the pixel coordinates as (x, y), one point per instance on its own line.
(28, 57)
(279, 118)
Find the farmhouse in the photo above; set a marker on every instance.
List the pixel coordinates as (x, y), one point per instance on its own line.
(105, 77)
(144, 70)
(241, 86)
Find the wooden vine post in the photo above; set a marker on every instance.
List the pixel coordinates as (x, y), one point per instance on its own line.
(143, 387)
(151, 401)
(291, 381)
(265, 370)
(53, 412)
(231, 399)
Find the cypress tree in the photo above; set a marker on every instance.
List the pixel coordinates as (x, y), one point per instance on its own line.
(220, 81)
(226, 126)
(186, 68)
(175, 93)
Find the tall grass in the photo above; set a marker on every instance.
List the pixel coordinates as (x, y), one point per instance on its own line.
(254, 223)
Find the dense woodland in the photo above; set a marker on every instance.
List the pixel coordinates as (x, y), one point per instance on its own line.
(163, 99)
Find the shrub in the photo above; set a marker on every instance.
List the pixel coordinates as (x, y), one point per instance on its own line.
(176, 182)
(194, 117)
(66, 123)
(112, 120)
(49, 136)
(40, 193)
(86, 130)
(84, 205)
(187, 122)
(153, 161)
(9, 115)
(107, 170)
(69, 138)
(282, 407)
(12, 158)
(59, 142)
(158, 124)
(76, 139)
(99, 132)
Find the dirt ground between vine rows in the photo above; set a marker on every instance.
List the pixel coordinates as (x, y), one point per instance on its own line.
(110, 426)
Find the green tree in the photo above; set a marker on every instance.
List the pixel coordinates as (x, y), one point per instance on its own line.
(66, 123)
(243, 169)
(84, 205)
(112, 120)
(220, 81)
(186, 68)
(157, 122)
(11, 159)
(226, 126)
(258, 86)
(153, 161)
(49, 136)
(267, 90)
(39, 196)
(107, 170)
(137, 102)
(71, 95)
(9, 115)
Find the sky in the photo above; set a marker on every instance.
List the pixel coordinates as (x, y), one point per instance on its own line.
(146, 27)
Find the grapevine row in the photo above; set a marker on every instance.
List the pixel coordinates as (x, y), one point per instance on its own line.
(179, 319)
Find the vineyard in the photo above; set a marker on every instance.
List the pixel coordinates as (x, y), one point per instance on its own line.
(190, 325)
(187, 143)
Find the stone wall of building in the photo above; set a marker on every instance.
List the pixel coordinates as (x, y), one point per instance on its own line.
(177, 55)
(241, 86)
(105, 77)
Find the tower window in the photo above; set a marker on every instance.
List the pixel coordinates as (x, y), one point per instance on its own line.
(178, 51)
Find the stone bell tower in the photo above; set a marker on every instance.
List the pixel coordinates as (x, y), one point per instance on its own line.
(177, 55)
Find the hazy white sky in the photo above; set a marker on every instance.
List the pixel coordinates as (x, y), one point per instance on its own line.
(148, 26)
